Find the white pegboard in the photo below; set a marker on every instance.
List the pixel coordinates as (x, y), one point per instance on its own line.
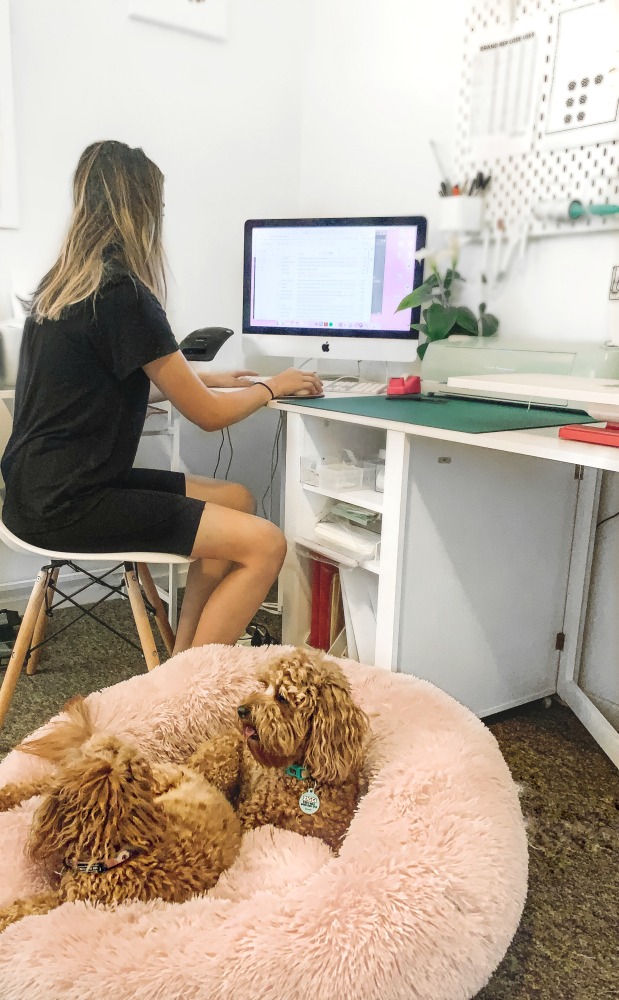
(520, 181)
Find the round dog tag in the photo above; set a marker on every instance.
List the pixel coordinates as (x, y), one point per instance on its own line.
(309, 802)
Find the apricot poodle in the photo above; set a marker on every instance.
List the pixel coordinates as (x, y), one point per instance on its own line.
(111, 827)
(297, 756)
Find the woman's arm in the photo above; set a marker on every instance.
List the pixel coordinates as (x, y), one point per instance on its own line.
(213, 380)
(212, 411)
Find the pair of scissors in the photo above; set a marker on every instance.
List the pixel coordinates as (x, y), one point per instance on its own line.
(479, 183)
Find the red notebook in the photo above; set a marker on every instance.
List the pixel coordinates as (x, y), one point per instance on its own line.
(327, 572)
(323, 575)
(314, 636)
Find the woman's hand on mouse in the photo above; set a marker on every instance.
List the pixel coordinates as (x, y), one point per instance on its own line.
(227, 380)
(294, 382)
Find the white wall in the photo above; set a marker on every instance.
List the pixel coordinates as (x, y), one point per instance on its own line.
(558, 292)
(222, 121)
(379, 83)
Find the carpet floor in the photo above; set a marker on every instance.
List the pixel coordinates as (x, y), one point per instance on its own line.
(567, 946)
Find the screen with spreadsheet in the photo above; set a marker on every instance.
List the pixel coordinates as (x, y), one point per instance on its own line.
(340, 277)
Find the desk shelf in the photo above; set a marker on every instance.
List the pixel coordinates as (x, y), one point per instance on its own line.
(316, 546)
(475, 545)
(369, 587)
(487, 551)
(368, 499)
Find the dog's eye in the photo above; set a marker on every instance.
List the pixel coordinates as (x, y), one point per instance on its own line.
(280, 697)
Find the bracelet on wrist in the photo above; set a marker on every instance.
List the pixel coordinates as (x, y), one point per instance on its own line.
(268, 387)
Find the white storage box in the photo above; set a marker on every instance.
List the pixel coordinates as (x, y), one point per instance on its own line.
(340, 476)
(309, 471)
(359, 542)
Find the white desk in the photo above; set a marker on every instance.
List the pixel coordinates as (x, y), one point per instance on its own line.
(485, 561)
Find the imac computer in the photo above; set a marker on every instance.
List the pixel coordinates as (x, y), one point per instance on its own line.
(330, 287)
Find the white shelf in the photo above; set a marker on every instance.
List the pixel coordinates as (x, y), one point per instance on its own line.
(368, 499)
(336, 555)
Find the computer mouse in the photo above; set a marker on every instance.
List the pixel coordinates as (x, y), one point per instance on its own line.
(305, 393)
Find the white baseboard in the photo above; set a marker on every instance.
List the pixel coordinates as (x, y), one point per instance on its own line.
(14, 596)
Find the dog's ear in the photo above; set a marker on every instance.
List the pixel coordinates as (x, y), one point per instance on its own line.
(338, 737)
(65, 734)
(49, 834)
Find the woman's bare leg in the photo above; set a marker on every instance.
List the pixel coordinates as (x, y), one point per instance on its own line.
(256, 548)
(205, 574)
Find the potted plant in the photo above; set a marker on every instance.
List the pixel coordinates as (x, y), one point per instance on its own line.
(441, 319)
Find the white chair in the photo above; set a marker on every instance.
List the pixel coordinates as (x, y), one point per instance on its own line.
(31, 634)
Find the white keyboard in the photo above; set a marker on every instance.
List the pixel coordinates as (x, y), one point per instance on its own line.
(350, 386)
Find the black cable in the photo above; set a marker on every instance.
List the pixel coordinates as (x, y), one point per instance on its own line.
(273, 469)
(605, 519)
(274, 465)
(231, 453)
(219, 455)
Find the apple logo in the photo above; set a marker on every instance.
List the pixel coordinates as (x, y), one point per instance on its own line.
(325, 347)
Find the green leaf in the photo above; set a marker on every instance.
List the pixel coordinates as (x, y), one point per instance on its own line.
(461, 332)
(431, 281)
(440, 320)
(422, 327)
(457, 275)
(482, 308)
(421, 350)
(448, 279)
(466, 319)
(416, 298)
(489, 325)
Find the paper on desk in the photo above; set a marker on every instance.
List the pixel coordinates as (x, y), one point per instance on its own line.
(350, 512)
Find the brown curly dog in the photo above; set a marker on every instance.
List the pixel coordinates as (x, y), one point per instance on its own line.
(116, 828)
(297, 756)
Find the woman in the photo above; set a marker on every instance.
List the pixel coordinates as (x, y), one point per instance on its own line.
(96, 341)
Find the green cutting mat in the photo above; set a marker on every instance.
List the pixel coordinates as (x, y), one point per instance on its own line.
(469, 415)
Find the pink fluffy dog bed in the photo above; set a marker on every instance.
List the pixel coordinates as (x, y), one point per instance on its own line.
(421, 903)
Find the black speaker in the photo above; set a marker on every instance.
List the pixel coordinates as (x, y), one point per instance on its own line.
(202, 345)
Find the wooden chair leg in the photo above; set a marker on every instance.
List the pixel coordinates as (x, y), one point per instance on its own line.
(141, 618)
(41, 626)
(23, 640)
(165, 629)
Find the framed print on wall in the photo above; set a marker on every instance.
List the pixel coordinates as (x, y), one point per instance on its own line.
(9, 218)
(200, 17)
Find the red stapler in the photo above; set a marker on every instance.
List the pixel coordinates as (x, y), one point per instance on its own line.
(406, 387)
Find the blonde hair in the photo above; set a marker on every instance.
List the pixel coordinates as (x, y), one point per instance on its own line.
(115, 229)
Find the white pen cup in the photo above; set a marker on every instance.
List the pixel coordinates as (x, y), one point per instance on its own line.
(461, 213)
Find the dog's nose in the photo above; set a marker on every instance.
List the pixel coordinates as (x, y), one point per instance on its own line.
(243, 711)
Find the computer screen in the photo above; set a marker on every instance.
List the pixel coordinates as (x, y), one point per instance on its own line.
(332, 285)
